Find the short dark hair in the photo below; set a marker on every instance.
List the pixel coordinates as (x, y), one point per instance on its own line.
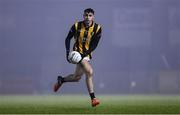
(89, 10)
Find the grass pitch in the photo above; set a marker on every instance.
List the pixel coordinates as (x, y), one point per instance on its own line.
(65, 104)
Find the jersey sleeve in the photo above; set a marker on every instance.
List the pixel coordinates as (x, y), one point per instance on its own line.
(69, 37)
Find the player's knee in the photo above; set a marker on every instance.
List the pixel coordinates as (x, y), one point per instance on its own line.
(90, 72)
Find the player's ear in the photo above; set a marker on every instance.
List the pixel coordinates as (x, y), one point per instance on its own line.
(84, 15)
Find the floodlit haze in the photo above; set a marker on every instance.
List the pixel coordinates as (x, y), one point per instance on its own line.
(139, 52)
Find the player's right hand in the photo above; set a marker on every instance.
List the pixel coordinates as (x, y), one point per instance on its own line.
(67, 57)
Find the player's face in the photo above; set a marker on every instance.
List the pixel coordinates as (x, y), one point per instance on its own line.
(88, 18)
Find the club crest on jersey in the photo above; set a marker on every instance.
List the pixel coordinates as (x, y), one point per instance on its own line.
(84, 40)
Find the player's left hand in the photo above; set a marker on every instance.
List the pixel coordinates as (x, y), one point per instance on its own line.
(83, 55)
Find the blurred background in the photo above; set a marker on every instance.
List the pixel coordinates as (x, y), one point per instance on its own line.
(139, 52)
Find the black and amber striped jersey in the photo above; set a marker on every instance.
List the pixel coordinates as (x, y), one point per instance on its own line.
(86, 38)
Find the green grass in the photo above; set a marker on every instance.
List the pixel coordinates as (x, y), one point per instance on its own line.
(134, 104)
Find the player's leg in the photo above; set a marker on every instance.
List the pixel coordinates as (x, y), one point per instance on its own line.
(74, 77)
(89, 81)
(89, 75)
(69, 78)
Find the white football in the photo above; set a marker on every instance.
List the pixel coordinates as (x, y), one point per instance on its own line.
(74, 57)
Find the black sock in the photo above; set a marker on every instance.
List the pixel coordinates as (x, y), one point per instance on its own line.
(60, 80)
(92, 95)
